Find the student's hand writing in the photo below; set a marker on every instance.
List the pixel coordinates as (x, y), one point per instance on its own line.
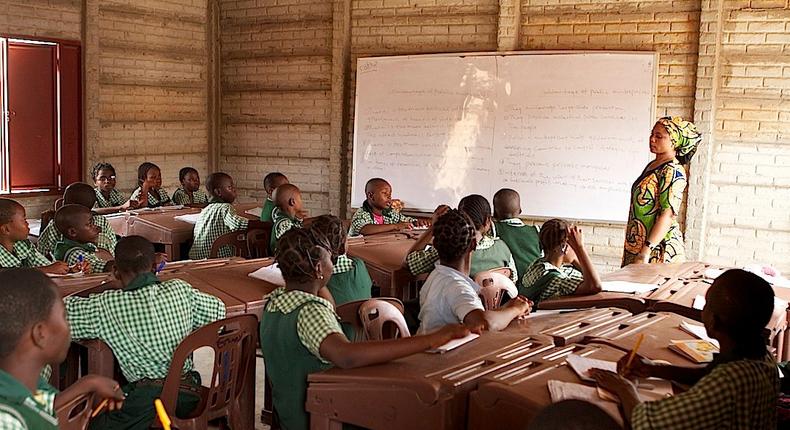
(159, 258)
(106, 388)
(612, 382)
(440, 210)
(575, 240)
(640, 367)
(56, 268)
(448, 333)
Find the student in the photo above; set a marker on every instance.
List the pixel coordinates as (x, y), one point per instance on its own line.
(738, 390)
(149, 192)
(270, 183)
(300, 333)
(288, 214)
(143, 323)
(15, 248)
(490, 253)
(376, 214)
(565, 270)
(108, 198)
(78, 246)
(78, 193)
(34, 334)
(218, 218)
(521, 239)
(449, 295)
(189, 192)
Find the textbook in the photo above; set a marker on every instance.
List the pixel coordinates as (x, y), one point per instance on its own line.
(698, 351)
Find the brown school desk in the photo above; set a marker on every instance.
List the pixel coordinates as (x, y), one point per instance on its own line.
(383, 255)
(160, 226)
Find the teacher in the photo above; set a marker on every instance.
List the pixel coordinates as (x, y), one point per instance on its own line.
(653, 234)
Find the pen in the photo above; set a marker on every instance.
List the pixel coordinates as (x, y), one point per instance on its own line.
(161, 266)
(633, 352)
(160, 411)
(100, 407)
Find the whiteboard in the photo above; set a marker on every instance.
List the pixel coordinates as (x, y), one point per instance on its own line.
(568, 131)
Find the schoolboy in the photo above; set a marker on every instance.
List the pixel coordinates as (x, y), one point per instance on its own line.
(218, 218)
(449, 295)
(376, 214)
(149, 192)
(143, 323)
(78, 245)
(522, 239)
(34, 333)
(108, 198)
(565, 269)
(78, 193)
(737, 391)
(189, 192)
(300, 332)
(270, 183)
(15, 248)
(288, 214)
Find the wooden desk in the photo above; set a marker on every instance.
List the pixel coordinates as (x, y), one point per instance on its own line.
(160, 226)
(383, 255)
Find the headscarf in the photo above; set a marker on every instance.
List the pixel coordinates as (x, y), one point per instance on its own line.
(684, 136)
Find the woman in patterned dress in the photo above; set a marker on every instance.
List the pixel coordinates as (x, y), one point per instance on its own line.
(653, 234)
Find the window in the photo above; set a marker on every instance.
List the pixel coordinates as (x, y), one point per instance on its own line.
(41, 121)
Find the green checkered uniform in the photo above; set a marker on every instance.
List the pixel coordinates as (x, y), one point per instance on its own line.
(22, 410)
(293, 325)
(115, 199)
(215, 220)
(23, 254)
(364, 216)
(424, 260)
(50, 236)
(267, 209)
(156, 198)
(735, 395)
(143, 324)
(181, 197)
(282, 223)
(74, 252)
(350, 281)
(543, 281)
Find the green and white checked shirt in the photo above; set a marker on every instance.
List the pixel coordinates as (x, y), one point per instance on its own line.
(363, 216)
(343, 265)
(50, 236)
(215, 220)
(71, 252)
(565, 283)
(736, 395)
(281, 223)
(116, 199)
(423, 261)
(42, 402)
(143, 323)
(24, 255)
(181, 197)
(156, 198)
(317, 319)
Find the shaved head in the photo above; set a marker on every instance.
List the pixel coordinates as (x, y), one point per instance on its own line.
(507, 204)
(374, 184)
(284, 194)
(70, 216)
(80, 193)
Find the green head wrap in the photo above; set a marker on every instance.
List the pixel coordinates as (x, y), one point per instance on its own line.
(684, 136)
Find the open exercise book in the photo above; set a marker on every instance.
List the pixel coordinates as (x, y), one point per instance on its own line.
(270, 274)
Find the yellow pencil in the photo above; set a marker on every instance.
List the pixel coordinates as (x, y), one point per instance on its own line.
(633, 352)
(160, 411)
(100, 407)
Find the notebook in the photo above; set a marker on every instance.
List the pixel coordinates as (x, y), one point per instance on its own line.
(455, 343)
(190, 218)
(627, 287)
(256, 212)
(583, 365)
(698, 331)
(698, 351)
(560, 391)
(270, 274)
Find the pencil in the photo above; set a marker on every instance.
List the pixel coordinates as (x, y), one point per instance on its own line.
(633, 352)
(99, 409)
(160, 411)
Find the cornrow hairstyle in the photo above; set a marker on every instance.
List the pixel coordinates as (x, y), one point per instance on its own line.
(553, 233)
(28, 297)
(331, 229)
(453, 233)
(297, 253)
(134, 254)
(8, 208)
(98, 167)
(184, 172)
(478, 209)
(142, 171)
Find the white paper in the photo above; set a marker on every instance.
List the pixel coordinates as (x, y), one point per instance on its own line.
(699, 302)
(583, 365)
(627, 287)
(256, 212)
(189, 218)
(35, 226)
(713, 273)
(698, 331)
(455, 343)
(270, 274)
(560, 391)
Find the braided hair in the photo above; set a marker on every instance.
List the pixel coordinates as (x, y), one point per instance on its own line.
(184, 172)
(298, 251)
(330, 228)
(477, 208)
(453, 234)
(553, 233)
(98, 167)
